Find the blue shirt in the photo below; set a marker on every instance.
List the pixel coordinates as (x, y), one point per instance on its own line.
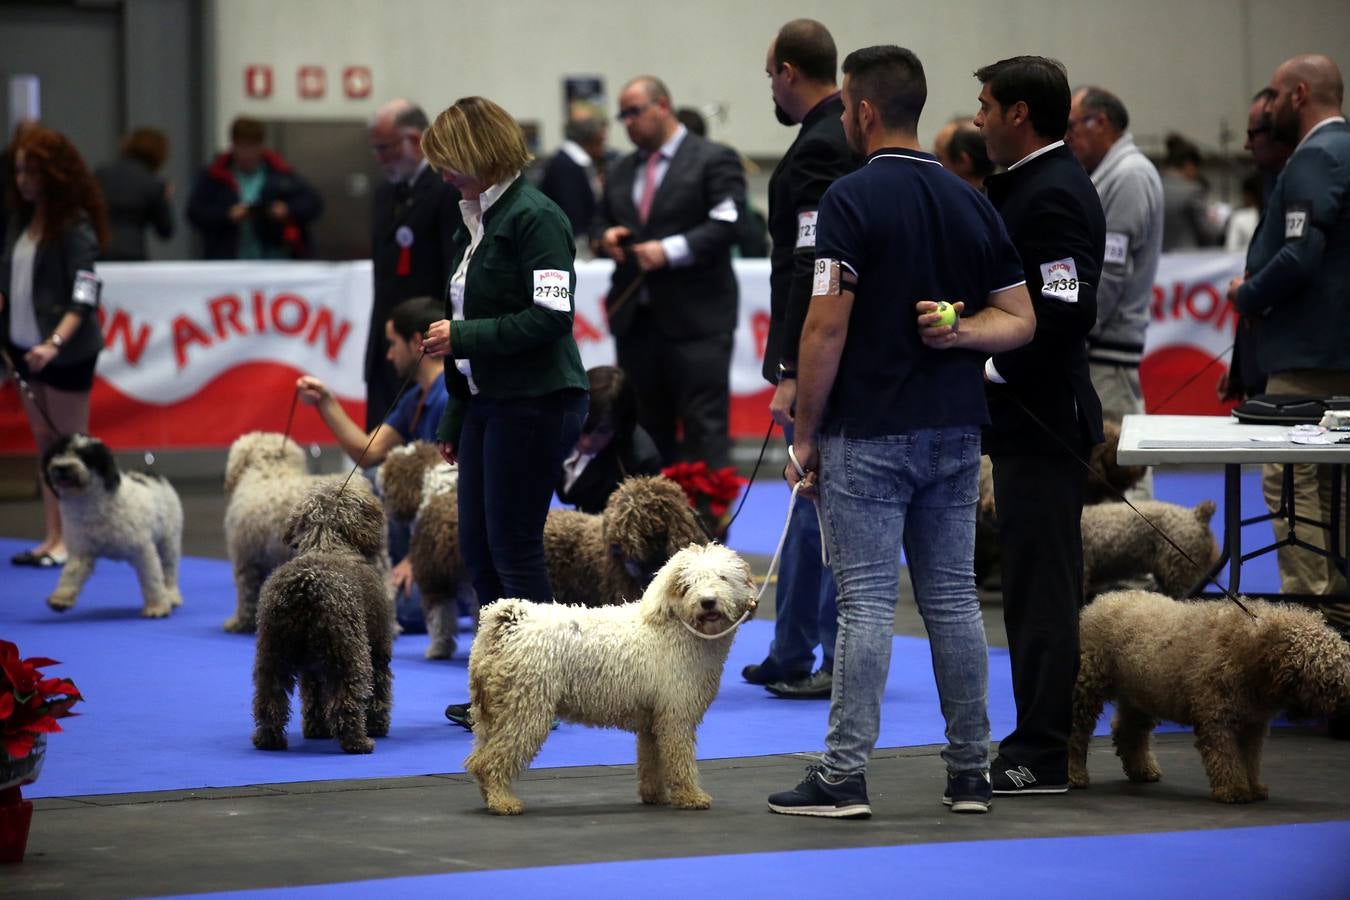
(909, 230)
(418, 412)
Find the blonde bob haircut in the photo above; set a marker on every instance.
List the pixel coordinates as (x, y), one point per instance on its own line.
(476, 137)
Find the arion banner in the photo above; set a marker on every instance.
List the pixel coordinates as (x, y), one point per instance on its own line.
(199, 353)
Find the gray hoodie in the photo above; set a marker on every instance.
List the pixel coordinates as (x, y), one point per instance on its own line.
(1132, 199)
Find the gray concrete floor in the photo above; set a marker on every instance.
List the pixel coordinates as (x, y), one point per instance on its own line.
(323, 832)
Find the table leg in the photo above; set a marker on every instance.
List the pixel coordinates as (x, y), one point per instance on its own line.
(1232, 519)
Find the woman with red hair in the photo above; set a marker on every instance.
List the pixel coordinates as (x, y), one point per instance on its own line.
(49, 294)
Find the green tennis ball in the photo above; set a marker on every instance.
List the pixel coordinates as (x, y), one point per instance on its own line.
(946, 313)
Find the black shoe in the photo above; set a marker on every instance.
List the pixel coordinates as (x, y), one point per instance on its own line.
(815, 686)
(968, 792)
(819, 796)
(460, 714)
(769, 672)
(1013, 779)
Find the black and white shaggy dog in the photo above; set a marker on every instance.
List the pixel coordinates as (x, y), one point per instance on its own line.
(135, 516)
(325, 618)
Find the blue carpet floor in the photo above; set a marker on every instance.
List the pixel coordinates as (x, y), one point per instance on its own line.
(1306, 861)
(168, 702)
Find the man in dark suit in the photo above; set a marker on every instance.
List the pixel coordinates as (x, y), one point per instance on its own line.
(413, 218)
(668, 219)
(1043, 408)
(801, 65)
(574, 175)
(1297, 285)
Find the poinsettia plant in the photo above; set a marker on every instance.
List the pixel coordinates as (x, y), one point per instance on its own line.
(29, 703)
(710, 491)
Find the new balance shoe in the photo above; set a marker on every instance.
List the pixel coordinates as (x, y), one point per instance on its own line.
(815, 686)
(1010, 779)
(968, 792)
(817, 795)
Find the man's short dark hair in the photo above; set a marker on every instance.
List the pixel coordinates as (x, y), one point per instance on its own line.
(968, 141)
(412, 116)
(415, 316)
(613, 402)
(891, 79)
(245, 130)
(1041, 83)
(1100, 100)
(807, 44)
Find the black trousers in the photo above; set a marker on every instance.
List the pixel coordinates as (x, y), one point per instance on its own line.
(683, 390)
(1039, 502)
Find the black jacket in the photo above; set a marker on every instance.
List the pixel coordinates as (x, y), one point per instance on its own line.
(136, 201)
(694, 300)
(635, 454)
(569, 185)
(57, 267)
(818, 156)
(215, 191)
(430, 209)
(1052, 213)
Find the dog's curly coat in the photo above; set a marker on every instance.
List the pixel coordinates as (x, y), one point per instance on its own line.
(265, 479)
(592, 560)
(325, 618)
(137, 517)
(634, 667)
(1206, 664)
(1118, 544)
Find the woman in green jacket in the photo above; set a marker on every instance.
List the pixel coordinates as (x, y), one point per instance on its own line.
(517, 387)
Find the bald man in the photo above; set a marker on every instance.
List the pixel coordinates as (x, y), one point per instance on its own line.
(1297, 283)
(413, 217)
(959, 146)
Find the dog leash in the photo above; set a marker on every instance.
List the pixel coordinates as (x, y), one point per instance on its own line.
(768, 578)
(30, 393)
(403, 387)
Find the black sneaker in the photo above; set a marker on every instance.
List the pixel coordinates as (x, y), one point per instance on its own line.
(459, 714)
(1012, 779)
(815, 686)
(968, 792)
(817, 795)
(768, 672)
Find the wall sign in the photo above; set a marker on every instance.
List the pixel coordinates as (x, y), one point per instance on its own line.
(356, 82)
(310, 82)
(257, 82)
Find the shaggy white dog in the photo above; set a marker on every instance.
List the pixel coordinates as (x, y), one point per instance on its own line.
(637, 667)
(136, 517)
(265, 480)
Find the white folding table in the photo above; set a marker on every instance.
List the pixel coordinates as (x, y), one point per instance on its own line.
(1149, 440)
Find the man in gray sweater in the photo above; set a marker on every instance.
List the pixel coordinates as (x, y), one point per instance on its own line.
(1132, 199)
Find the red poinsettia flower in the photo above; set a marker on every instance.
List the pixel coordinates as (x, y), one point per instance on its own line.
(710, 492)
(29, 703)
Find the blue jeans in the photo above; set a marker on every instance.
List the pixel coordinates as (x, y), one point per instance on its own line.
(804, 603)
(407, 604)
(916, 490)
(510, 452)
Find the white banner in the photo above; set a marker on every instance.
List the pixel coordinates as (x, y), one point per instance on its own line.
(197, 353)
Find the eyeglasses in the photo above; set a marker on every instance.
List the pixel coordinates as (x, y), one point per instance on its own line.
(632, 112)
(1082, 120)
(1260, 129)
(384, 149)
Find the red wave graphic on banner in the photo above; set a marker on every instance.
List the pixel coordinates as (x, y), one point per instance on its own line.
(254, 396)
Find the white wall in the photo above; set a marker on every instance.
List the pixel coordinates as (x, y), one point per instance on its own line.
(1182, 65)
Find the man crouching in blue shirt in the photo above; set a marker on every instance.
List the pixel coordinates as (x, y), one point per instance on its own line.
(414, 417)
(889, 409)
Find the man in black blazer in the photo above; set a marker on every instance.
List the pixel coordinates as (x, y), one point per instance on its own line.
(413, 218)
(1043, 408)
(668, 218)
(573, 176)
(801, 65)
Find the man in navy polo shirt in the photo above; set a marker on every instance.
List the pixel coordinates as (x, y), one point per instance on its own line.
(890, 403)
(414, 417)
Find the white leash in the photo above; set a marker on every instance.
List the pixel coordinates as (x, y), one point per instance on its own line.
(774, 563)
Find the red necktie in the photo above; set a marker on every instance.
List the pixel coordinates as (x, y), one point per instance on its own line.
(648, 188)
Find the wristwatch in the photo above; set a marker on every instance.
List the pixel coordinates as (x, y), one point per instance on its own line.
(56, 340)
(785, 372)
